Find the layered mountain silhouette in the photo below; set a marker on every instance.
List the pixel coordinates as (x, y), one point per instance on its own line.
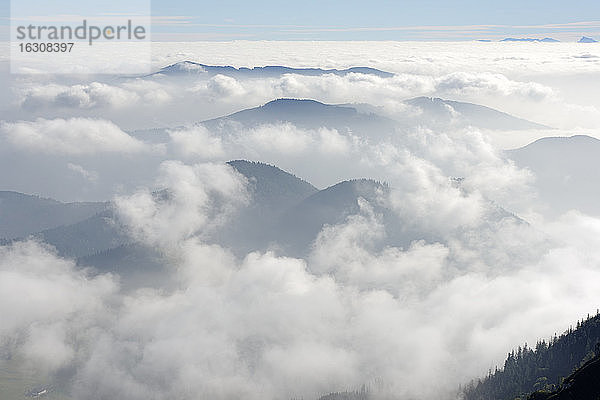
(308, 114)
(434, 113)
(193, 68)
(585, 39)
(284, 213)
(271, 187)
(361, 119)
(567, 171)
(544, 40)
(22, 214)
(425, 111)
(440, 112)
(329, 206)
(136, 265)
(92, 235)
(272, 191)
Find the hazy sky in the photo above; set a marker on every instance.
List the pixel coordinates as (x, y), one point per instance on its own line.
(378, 20)
(355, 20)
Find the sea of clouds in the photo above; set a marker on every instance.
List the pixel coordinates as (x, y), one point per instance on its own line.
(410, 321)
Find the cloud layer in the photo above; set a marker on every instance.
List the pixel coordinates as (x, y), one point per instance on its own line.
(409, 320)
(76, 136)
(270, 326)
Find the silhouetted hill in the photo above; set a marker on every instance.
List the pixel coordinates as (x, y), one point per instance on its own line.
(585, 39)
(137, 265)
(299, 225)
(272, 187)
(272, 192)
(308, 114)
(360, 119)
(520, 40)
(544, 40)
(283, 212)
(447, 113)
(92, 235)
(567, 171)
(193, 68)
(23, 214)
(294, 110)
(339, 199)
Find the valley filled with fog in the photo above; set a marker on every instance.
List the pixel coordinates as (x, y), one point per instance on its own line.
(285, 220)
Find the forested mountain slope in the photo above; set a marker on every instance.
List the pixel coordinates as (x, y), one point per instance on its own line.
(543, 368)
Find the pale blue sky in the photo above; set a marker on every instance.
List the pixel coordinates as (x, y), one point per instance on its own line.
(357, 20)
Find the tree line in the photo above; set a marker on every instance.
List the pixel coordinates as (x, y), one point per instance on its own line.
(542, 368)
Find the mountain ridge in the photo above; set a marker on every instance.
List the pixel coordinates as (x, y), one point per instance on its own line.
(478, 115)
(544, 40)
(563, 168)
(190, 68)
(24, 214)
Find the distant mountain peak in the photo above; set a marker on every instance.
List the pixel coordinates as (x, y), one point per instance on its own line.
(252, 168)
(510, 39)
(187, 66)
(270, 182)
(564, 168)
(301, 104)
(549, 40)
(305, 113)
(565, 140)
(585, 39)
(192, 68)
(294, 108)
(544, 40)
(345, 192)
(290, 100)
(23, 214)
(475, 114)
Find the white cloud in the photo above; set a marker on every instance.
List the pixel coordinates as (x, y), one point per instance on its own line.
(358, 309)
(281, 138)
(332, 142)
(72, 136)
(197, 141)
(534, 81)
(83, 96)
(261, 142)
(48, 305)
(222, 87)
(151, 93)
(349, 252)
(194, 198)
(463, 83)
(89, 175)
(268, 326)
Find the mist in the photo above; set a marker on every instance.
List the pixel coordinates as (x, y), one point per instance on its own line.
(371, 241)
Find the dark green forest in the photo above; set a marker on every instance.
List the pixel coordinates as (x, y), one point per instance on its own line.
(543, 368)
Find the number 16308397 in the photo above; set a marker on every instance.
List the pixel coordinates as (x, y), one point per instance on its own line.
(51, 47)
